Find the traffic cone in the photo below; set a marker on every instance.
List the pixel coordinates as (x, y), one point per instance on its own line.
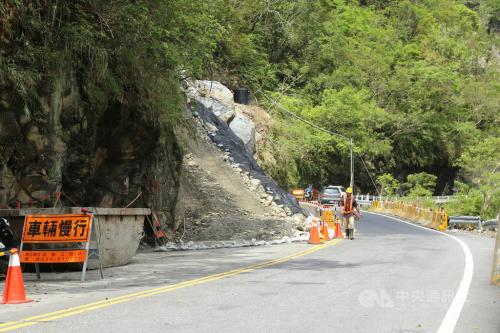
(324, 232)
(338, 231)
(13, 292)
(314, 233)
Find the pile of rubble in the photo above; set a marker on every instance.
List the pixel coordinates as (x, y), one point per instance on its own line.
(225, 197)
(204, 245)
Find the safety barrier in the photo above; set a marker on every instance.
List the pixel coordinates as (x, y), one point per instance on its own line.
(490, 223)
(436, 218)
(466, 220)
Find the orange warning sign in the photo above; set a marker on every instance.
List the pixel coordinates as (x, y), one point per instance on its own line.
(53, 256)
(56, 228)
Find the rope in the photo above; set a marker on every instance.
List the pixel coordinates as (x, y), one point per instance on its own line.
(69, 198)
(4, 253)
(279, 106)
(137, 197)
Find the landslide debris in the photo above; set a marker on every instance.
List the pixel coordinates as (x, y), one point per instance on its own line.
(224, 194)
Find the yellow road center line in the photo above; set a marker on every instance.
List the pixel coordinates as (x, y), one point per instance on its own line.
(154, 291)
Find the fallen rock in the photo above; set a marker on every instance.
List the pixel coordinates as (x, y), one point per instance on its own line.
(215, 90)
(211, 128)
(244, 128)
(221, 110)
(255, 182)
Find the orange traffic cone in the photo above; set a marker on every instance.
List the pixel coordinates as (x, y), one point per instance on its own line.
(13, 292)
(314, 235)
(338, 231)
(324, 232)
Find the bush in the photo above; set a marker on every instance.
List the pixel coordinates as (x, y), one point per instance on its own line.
(418, 182)
(419, 191)
(466, 205)
(388, 184)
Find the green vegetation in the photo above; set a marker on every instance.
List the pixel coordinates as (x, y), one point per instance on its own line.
(414, 83)
(388, 185)
(119, 52)
(420, 184)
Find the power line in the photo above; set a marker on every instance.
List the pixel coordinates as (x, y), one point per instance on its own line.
(276, 103)
(302, 119)
(369, 174)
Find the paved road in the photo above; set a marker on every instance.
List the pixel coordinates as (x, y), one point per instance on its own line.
(393, 277)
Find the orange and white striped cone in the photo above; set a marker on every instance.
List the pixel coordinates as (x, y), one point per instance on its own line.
(324, 232)
(338, 230)
(14, 292)
(314, 233)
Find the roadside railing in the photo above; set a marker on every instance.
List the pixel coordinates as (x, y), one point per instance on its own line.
(466, 221)
(490, 223)
(369, 198)
(474, 221)
(435, 218)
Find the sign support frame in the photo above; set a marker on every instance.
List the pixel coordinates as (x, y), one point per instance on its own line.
(87, 248)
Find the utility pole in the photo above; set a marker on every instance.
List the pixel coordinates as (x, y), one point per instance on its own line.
(352, 165)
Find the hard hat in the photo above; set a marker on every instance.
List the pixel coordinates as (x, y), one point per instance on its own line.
(349, 190)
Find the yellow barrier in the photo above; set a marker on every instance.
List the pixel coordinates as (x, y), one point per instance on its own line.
(432, 218)
(328, 217)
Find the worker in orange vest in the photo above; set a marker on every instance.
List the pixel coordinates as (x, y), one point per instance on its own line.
(349, 211)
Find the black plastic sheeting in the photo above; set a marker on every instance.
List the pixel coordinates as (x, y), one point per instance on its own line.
(234, 145)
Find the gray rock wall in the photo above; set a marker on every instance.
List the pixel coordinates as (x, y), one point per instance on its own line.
(218, 99)
(103, 156)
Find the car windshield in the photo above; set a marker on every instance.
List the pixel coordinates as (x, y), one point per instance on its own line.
(331, 191)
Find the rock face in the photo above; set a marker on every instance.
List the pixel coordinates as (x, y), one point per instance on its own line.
(95, 157)
(217, 98)
(215, 90)
(245, 164)
(244, 128)
(221, 110)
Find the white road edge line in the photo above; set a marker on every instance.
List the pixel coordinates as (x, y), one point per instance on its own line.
(451, 318)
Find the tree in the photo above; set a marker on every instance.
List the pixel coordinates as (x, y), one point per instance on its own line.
(420, 184)
(388, 184)
(481, 165)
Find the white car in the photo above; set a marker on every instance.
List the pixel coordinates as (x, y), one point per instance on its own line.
(340, 188)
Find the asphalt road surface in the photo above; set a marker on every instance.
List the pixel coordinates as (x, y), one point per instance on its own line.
(394, 277)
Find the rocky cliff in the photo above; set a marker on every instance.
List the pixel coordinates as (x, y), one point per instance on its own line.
(103, 157)
(62, 152)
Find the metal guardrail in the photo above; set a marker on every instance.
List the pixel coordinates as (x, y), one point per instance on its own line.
(466, 220)
(489, 223)
(472, 220)
(370, 198)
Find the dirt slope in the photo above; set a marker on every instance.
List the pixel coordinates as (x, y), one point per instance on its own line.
(218, 200)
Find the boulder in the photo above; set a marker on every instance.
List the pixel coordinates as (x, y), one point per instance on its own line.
(244, 128)
(215, 90)
(225, 112)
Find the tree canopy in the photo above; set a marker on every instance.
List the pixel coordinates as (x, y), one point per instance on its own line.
(414, 83)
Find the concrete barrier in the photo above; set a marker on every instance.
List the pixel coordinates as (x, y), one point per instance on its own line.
(119, 229)
(495, 271)
(434, 219)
